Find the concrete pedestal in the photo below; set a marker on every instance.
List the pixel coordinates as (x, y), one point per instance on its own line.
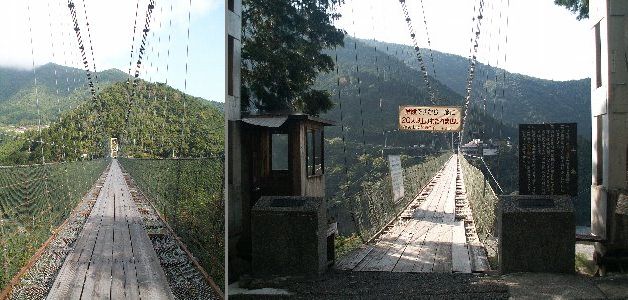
(289, 236)
(536, 234)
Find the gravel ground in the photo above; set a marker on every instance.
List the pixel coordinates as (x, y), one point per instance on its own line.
(379, 285)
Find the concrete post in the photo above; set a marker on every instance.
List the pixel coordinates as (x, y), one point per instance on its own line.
(609, 107)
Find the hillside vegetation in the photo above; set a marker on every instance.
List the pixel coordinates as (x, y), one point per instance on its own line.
(526, 99)
(59, 89)
(57, 92)
(162, 121)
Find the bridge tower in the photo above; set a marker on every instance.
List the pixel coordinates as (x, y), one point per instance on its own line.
(609, 108)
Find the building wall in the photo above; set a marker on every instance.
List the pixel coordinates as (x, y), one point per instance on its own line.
(313, 186)
(609, 106)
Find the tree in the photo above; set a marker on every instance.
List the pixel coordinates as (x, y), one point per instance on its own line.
(580, 7)
(282, 55)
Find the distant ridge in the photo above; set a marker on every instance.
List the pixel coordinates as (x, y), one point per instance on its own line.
(17, 92)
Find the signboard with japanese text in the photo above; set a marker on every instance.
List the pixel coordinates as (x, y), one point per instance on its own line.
(548, 161)
(430, 118)
(396, 175)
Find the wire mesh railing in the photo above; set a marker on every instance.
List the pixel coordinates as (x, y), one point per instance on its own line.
(34, 200)
(482, 199)
(188, 193)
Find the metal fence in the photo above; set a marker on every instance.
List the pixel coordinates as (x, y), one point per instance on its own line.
(482, 200)
(34, 200)
(188, 193)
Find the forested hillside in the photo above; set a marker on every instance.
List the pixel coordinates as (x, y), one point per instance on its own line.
(162, 121)
(58, 89)
(526, 99)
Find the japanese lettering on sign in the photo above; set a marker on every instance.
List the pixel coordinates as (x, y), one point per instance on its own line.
(548, 161)
(396, 175)
(430, 118)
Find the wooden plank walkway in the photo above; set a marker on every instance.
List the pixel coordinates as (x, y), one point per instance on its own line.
(427, 238)
(113, 257)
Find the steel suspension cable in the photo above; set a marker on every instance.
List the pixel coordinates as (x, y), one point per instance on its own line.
(472, 65)
(359, 80)
(79, 38)
(429, 43)
(417, 51)
(30, 30)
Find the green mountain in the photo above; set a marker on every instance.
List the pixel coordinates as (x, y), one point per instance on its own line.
(162, 121)
(58, 89)
(526, 99)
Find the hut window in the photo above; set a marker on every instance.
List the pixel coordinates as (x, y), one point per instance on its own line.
(230, 64)
(599, 149)
(314, 152)
(279, 152)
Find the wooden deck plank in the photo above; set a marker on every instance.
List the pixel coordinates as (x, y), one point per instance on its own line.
(150, 275)
(381, 247)
(117, 268)
(423, 223)
(352, 259)
(102, 281)
(86, 249)
(412, 251)
(425, 261)
(443, 256)
(390, 251)
(412, 231)
(460, 260)
(94, 265)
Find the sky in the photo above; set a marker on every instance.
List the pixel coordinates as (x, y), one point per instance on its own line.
(544, 40)
(111, 25)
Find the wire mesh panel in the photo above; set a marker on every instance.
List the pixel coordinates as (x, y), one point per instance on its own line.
(188, 193)
(34, 200)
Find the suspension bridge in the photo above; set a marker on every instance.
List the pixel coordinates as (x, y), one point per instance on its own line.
(99, 202)
(446, 221)
(433, 230)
